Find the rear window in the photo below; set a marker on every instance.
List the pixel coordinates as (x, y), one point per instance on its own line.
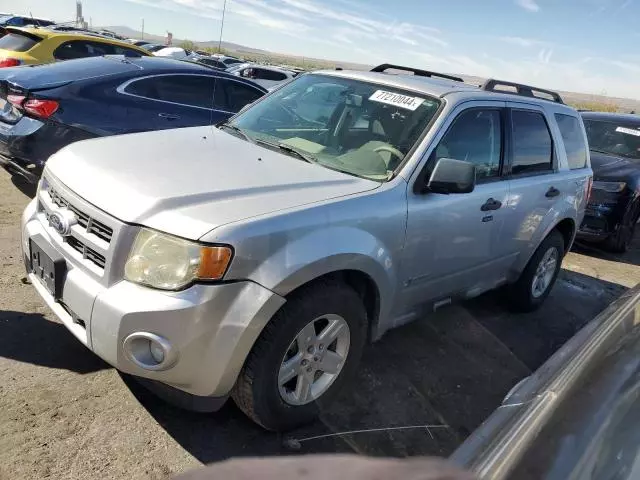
(574, 141)
(17, 42)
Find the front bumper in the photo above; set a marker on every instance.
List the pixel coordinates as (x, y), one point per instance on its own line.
(211, 328)
(602, 219)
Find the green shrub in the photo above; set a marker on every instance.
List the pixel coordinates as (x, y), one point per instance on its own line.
(596, 106)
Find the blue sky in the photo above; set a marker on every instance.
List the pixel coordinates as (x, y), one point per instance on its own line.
(589, 46)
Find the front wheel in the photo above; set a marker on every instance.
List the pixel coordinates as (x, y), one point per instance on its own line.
(303, 357)
(619, 241)
(540, 274)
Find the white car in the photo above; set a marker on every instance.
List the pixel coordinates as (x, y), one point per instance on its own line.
(267, 77)
(177, 53)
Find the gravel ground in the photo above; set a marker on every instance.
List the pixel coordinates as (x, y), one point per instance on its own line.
(65, 414)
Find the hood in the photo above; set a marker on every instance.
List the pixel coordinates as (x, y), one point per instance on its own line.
(612, 168)
(189, 181)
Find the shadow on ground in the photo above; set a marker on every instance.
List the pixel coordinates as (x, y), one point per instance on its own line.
(596, 250)
(31, 338)
(28, 189)
(423, 388)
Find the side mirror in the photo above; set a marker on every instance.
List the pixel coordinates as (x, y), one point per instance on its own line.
(452, 176)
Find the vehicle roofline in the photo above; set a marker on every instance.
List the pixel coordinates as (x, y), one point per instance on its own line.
(443, 89)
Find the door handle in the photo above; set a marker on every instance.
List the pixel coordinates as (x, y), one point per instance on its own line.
(552, 192)
(491, 204)
(169, 116)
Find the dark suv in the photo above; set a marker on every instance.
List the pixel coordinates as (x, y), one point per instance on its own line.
(614, 204)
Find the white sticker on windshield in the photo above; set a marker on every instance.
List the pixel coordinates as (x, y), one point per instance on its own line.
(628, 131)
(396, 99)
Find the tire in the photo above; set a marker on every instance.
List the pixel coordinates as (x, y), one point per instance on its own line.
(522, 296)
(258, 392)
(619, 241)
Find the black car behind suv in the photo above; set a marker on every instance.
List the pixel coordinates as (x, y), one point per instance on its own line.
(614, 205)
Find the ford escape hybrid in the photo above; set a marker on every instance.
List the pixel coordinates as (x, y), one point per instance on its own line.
(255, 259)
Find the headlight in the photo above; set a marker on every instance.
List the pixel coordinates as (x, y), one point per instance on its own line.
(611, 187)
(162, 261)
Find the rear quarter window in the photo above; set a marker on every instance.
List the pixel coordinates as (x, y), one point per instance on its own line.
(574, 141)
(17, 42)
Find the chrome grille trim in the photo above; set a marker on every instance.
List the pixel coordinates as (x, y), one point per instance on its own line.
(92, 225)
(98, 243)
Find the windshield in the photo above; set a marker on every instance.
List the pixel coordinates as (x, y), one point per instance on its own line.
(615, 138)
(5, 18)
(363, 129)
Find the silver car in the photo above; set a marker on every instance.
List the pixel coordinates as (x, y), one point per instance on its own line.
(255, 259)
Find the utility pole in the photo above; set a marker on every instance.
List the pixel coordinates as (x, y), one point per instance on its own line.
(142, 37)
(224, 9)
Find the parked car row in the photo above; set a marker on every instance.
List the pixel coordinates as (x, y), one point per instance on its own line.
(254, 260)
(34, 46)
(44, 108)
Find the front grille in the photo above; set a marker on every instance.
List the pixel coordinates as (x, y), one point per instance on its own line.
(91, 225)
(87, 252)
(90, 237)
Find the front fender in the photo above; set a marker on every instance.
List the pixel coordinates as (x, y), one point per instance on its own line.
(300, 260)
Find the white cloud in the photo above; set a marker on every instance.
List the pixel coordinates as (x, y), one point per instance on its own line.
(529, 5)
(522, 42)
(629, 67)
(544, 55)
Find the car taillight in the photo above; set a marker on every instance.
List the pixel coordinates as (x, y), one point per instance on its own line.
(9, 62)
(589, 186)
(40, 108)
(16, 100)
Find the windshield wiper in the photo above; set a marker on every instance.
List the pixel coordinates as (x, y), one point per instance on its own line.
(237, 130)
(307, 157)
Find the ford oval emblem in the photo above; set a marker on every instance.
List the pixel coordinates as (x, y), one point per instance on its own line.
(62, 221)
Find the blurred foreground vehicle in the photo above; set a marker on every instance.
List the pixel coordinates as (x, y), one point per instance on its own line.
(257, 259)
(577, 416)
(46, 107)
(33, 46)
(614, 206)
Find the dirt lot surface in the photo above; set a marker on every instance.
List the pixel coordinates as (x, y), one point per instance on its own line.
(66, 414)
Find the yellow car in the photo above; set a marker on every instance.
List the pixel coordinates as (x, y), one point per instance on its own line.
(32, 46)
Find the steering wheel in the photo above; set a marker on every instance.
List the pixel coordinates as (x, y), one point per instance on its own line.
(392, 150)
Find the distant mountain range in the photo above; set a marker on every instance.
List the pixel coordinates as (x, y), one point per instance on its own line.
(624, 104)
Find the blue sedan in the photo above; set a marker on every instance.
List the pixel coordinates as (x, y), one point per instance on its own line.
(44, 108)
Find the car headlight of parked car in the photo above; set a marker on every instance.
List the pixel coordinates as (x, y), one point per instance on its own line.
(166, 262)
(609, 187)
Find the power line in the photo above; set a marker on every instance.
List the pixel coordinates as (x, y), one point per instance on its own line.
(224, 9)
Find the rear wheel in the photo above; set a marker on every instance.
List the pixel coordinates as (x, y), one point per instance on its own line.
(303, 357)
(539, 276)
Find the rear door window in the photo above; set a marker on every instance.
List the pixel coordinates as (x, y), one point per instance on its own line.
(239, 95)
(190, 90)
(263, 74)
(532, 143)
(79, 49)
(127, 52)
(573, 139)
(17, 42)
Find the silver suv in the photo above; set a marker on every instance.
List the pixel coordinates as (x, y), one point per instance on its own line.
(256, 258)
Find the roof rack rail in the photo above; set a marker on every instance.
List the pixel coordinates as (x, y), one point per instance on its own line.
(419, 73)
(522, 90)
